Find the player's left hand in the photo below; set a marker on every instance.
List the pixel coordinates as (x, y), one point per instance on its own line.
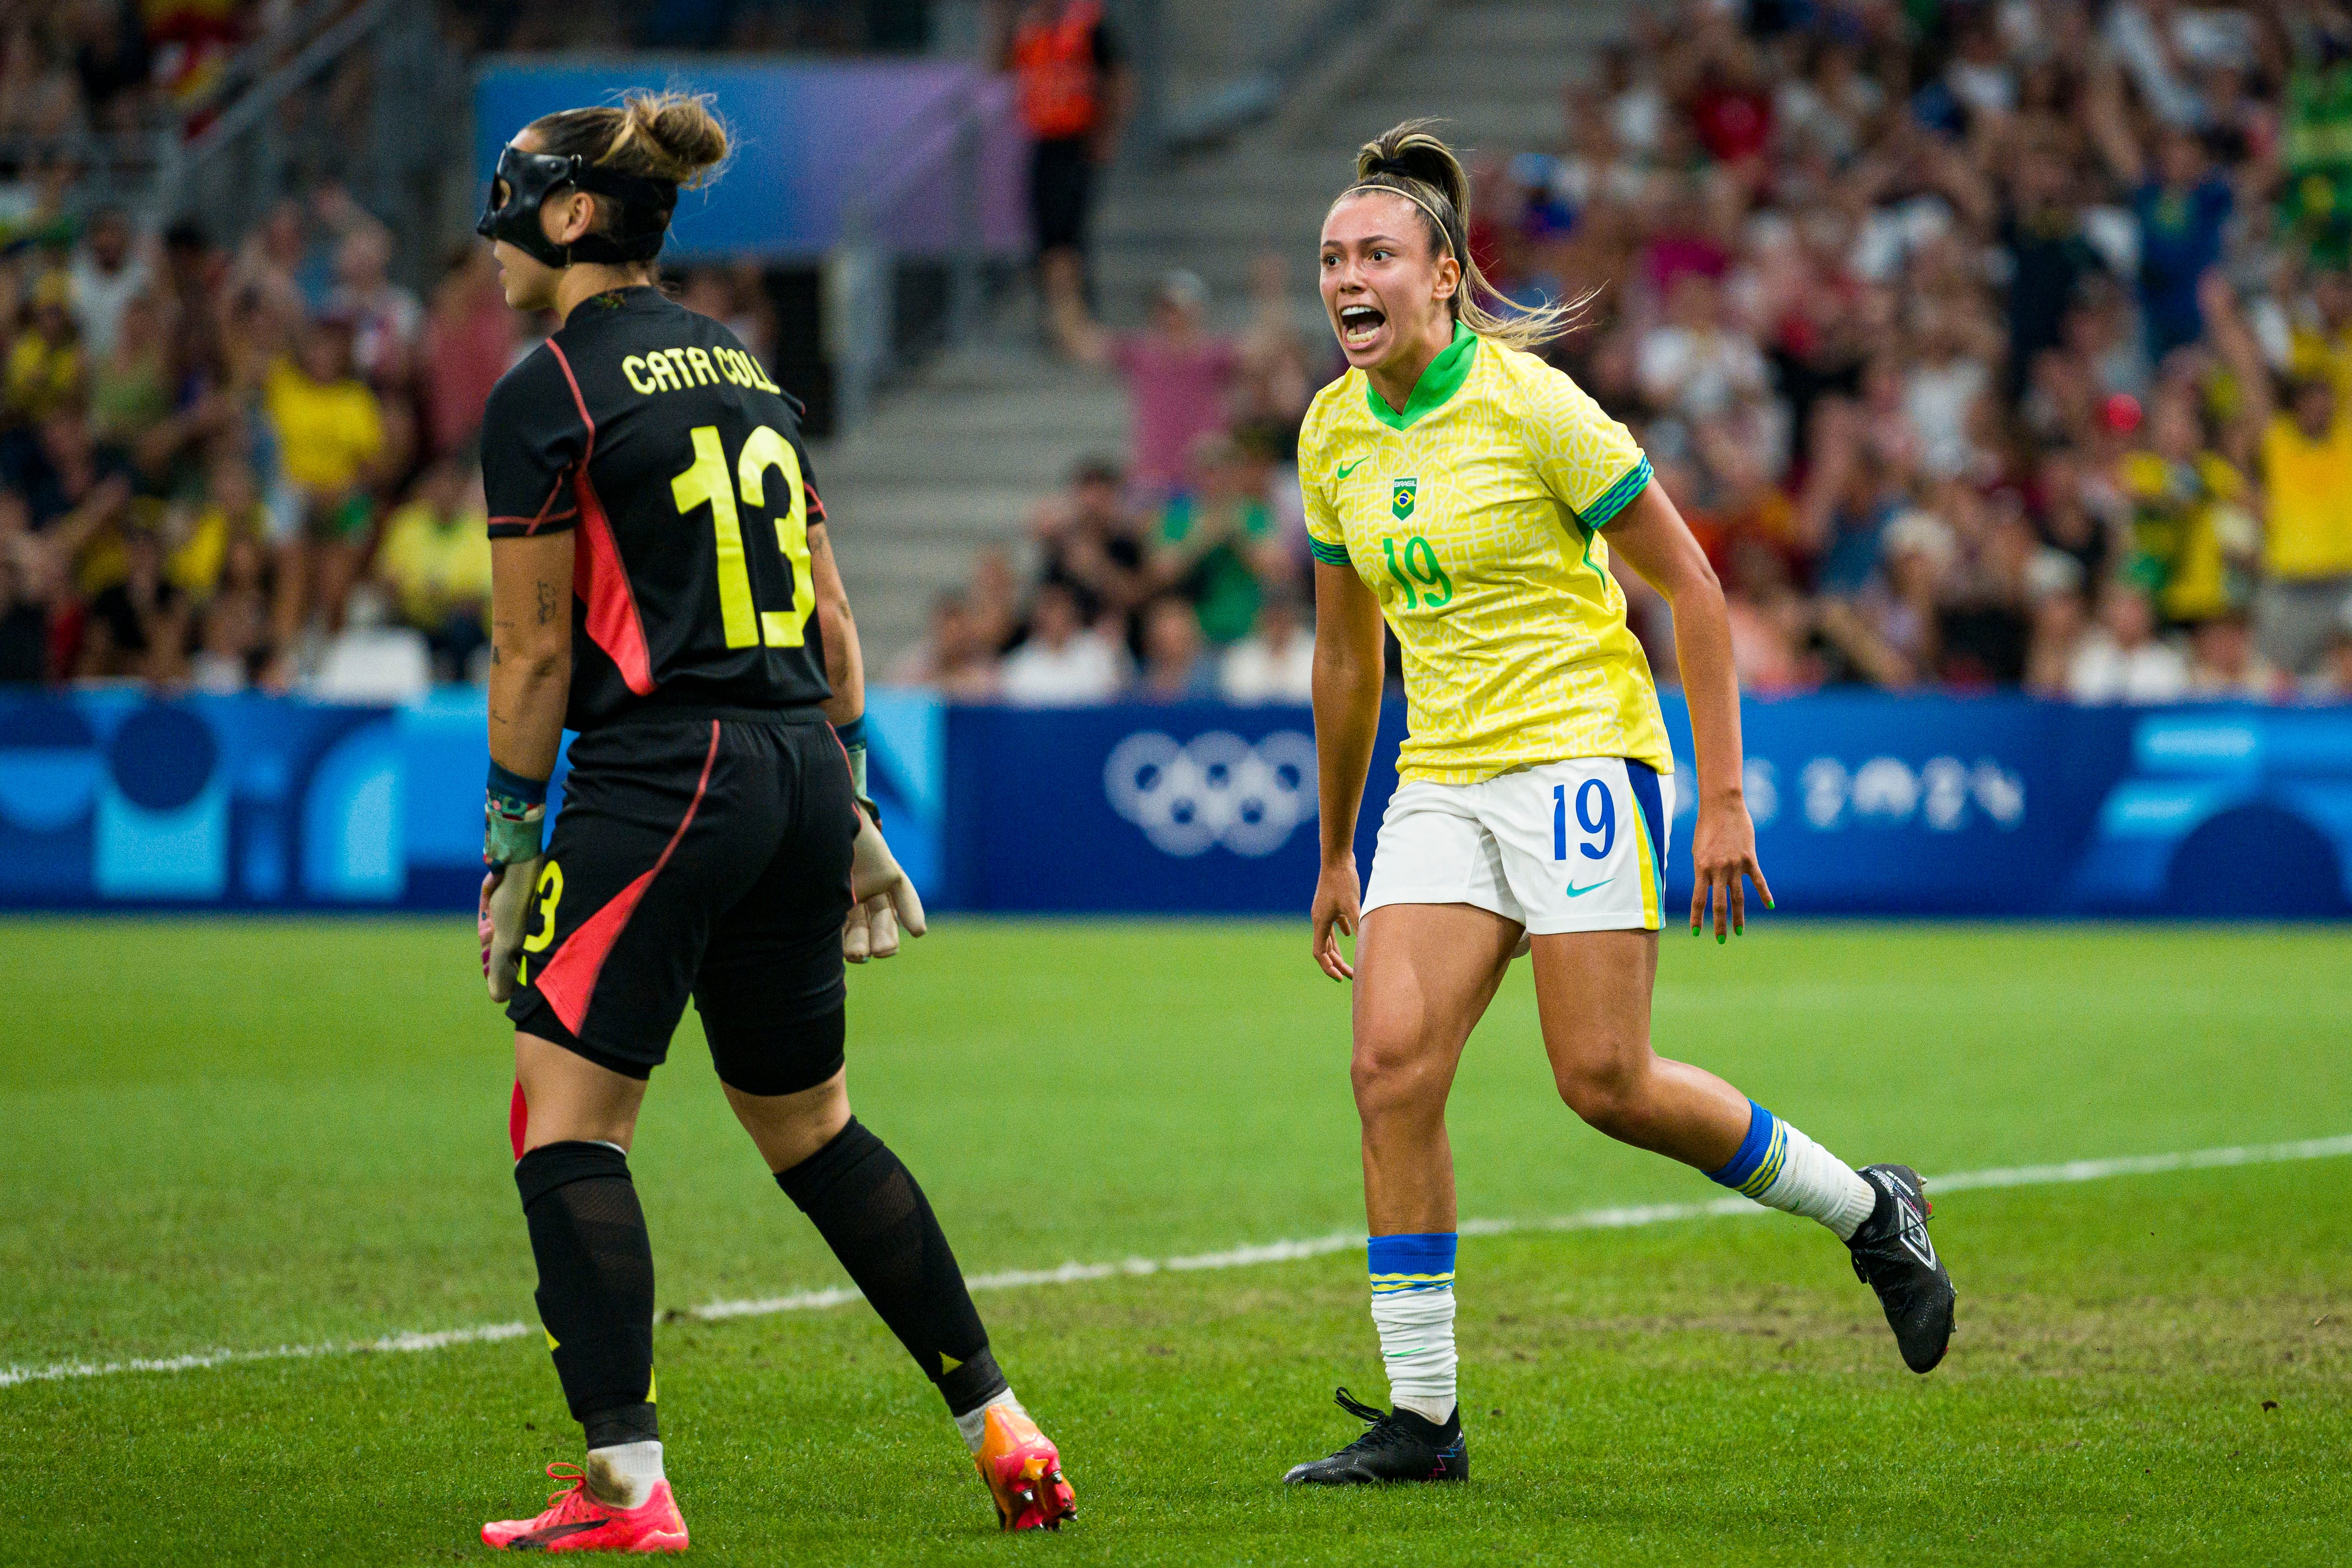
(1723, 850)
(883, 897)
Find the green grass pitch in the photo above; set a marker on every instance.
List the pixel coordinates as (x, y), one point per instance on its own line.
(226, 1135)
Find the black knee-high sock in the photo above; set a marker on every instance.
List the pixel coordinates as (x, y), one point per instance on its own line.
(870, 1212)
(595, 1285)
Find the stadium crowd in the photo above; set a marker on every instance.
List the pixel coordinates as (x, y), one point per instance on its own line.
(1999, 346)
(231, 463)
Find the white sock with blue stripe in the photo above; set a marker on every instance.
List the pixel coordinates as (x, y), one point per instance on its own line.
(1782, 1168)
(1412, 1306)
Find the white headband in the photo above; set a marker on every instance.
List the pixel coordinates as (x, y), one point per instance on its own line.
(1444, 232)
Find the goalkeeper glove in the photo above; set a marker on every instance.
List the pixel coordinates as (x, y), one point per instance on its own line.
(872, 929)
(514, 815)
(882, 898)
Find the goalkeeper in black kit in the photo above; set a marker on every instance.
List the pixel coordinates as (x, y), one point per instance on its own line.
(662, 584)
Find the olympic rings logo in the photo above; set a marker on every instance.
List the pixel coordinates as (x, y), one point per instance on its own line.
(1215, 789)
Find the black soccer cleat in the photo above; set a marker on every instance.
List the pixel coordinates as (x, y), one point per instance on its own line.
(1892, 1255)
(1400, 1446)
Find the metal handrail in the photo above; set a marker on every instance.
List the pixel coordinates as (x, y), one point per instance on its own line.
(1255, 95)
(237, 163)
(272, 89)
(862, 279)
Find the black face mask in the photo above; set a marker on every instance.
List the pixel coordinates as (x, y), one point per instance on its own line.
(525, 181)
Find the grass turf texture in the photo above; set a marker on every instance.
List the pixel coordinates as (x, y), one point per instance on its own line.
(237, 1135)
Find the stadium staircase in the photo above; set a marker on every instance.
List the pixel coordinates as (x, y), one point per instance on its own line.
(950, 462)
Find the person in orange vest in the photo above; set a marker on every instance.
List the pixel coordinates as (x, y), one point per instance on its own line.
(1073, 89)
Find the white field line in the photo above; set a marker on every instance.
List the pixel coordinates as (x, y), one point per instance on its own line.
(1232, 1258)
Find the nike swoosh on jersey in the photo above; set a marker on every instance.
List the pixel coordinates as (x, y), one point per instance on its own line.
(1576, 892)
(1346, 468)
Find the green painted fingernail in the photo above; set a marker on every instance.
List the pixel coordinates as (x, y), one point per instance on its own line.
(1720, 939)
(1767, 902)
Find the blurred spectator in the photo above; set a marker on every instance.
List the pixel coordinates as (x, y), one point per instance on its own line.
(330, 429)
(1090, 541)
(233, 647)
(1179, 376)
(1174, 668)
(199, 536)
(2061, 619)
(131, 387)
(1072, 84)
(1062, 661)
(111, 61)
(46, 362)
(138, 626)
(2180, 206)
(951, 658)
(1696, 364)
(1217, 542)
(435, 563)
(2332, 681)
(28, 595)
(2305, 451)
(38, 98)
(106, 274)
(1276, 382)
(387, 322)
(2120, 659)
(469, 341)
(72, 488)
(2224, 663)
(371, 660)
(1276, 663)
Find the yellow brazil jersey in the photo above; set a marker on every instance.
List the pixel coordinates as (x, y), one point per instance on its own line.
(1475, 517)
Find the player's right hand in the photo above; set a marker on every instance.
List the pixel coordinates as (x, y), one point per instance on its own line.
(882, 897)
(498, 919)
(1337, 911)
(870, 932)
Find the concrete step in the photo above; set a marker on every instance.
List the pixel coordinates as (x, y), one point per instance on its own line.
(1474, 125)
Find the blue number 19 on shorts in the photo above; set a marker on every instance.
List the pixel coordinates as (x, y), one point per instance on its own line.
(1587, 792)
(1540, 846)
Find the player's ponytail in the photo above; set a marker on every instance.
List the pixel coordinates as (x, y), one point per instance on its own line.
(1411, 162)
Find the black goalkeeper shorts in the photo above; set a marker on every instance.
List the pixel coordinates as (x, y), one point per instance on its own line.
(703, 852)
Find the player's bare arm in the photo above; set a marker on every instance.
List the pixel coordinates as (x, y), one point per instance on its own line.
(530, 684)
(1656, 542)
(530, 650)
(1348, 671)
(886, 896)
(845, 659)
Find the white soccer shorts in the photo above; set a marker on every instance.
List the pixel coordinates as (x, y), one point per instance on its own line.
(1572, 846)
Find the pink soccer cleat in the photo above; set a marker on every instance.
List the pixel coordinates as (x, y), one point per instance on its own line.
(576, 1521)
(1024, 1471)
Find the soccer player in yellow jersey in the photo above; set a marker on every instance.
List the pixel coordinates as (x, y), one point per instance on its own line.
(1470, 495)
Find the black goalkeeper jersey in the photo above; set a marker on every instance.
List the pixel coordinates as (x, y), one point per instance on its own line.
(648, 431)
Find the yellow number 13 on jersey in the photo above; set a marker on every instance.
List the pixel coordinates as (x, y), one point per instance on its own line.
(707, 483)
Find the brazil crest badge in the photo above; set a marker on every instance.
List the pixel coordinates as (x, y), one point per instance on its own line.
(1401, 498)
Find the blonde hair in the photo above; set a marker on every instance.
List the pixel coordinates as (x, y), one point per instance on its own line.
(1409, 161)
(671, 136)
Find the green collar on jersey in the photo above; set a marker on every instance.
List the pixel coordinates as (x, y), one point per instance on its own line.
(1441, 381)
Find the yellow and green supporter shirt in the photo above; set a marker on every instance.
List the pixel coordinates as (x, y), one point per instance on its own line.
(1475, 517)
